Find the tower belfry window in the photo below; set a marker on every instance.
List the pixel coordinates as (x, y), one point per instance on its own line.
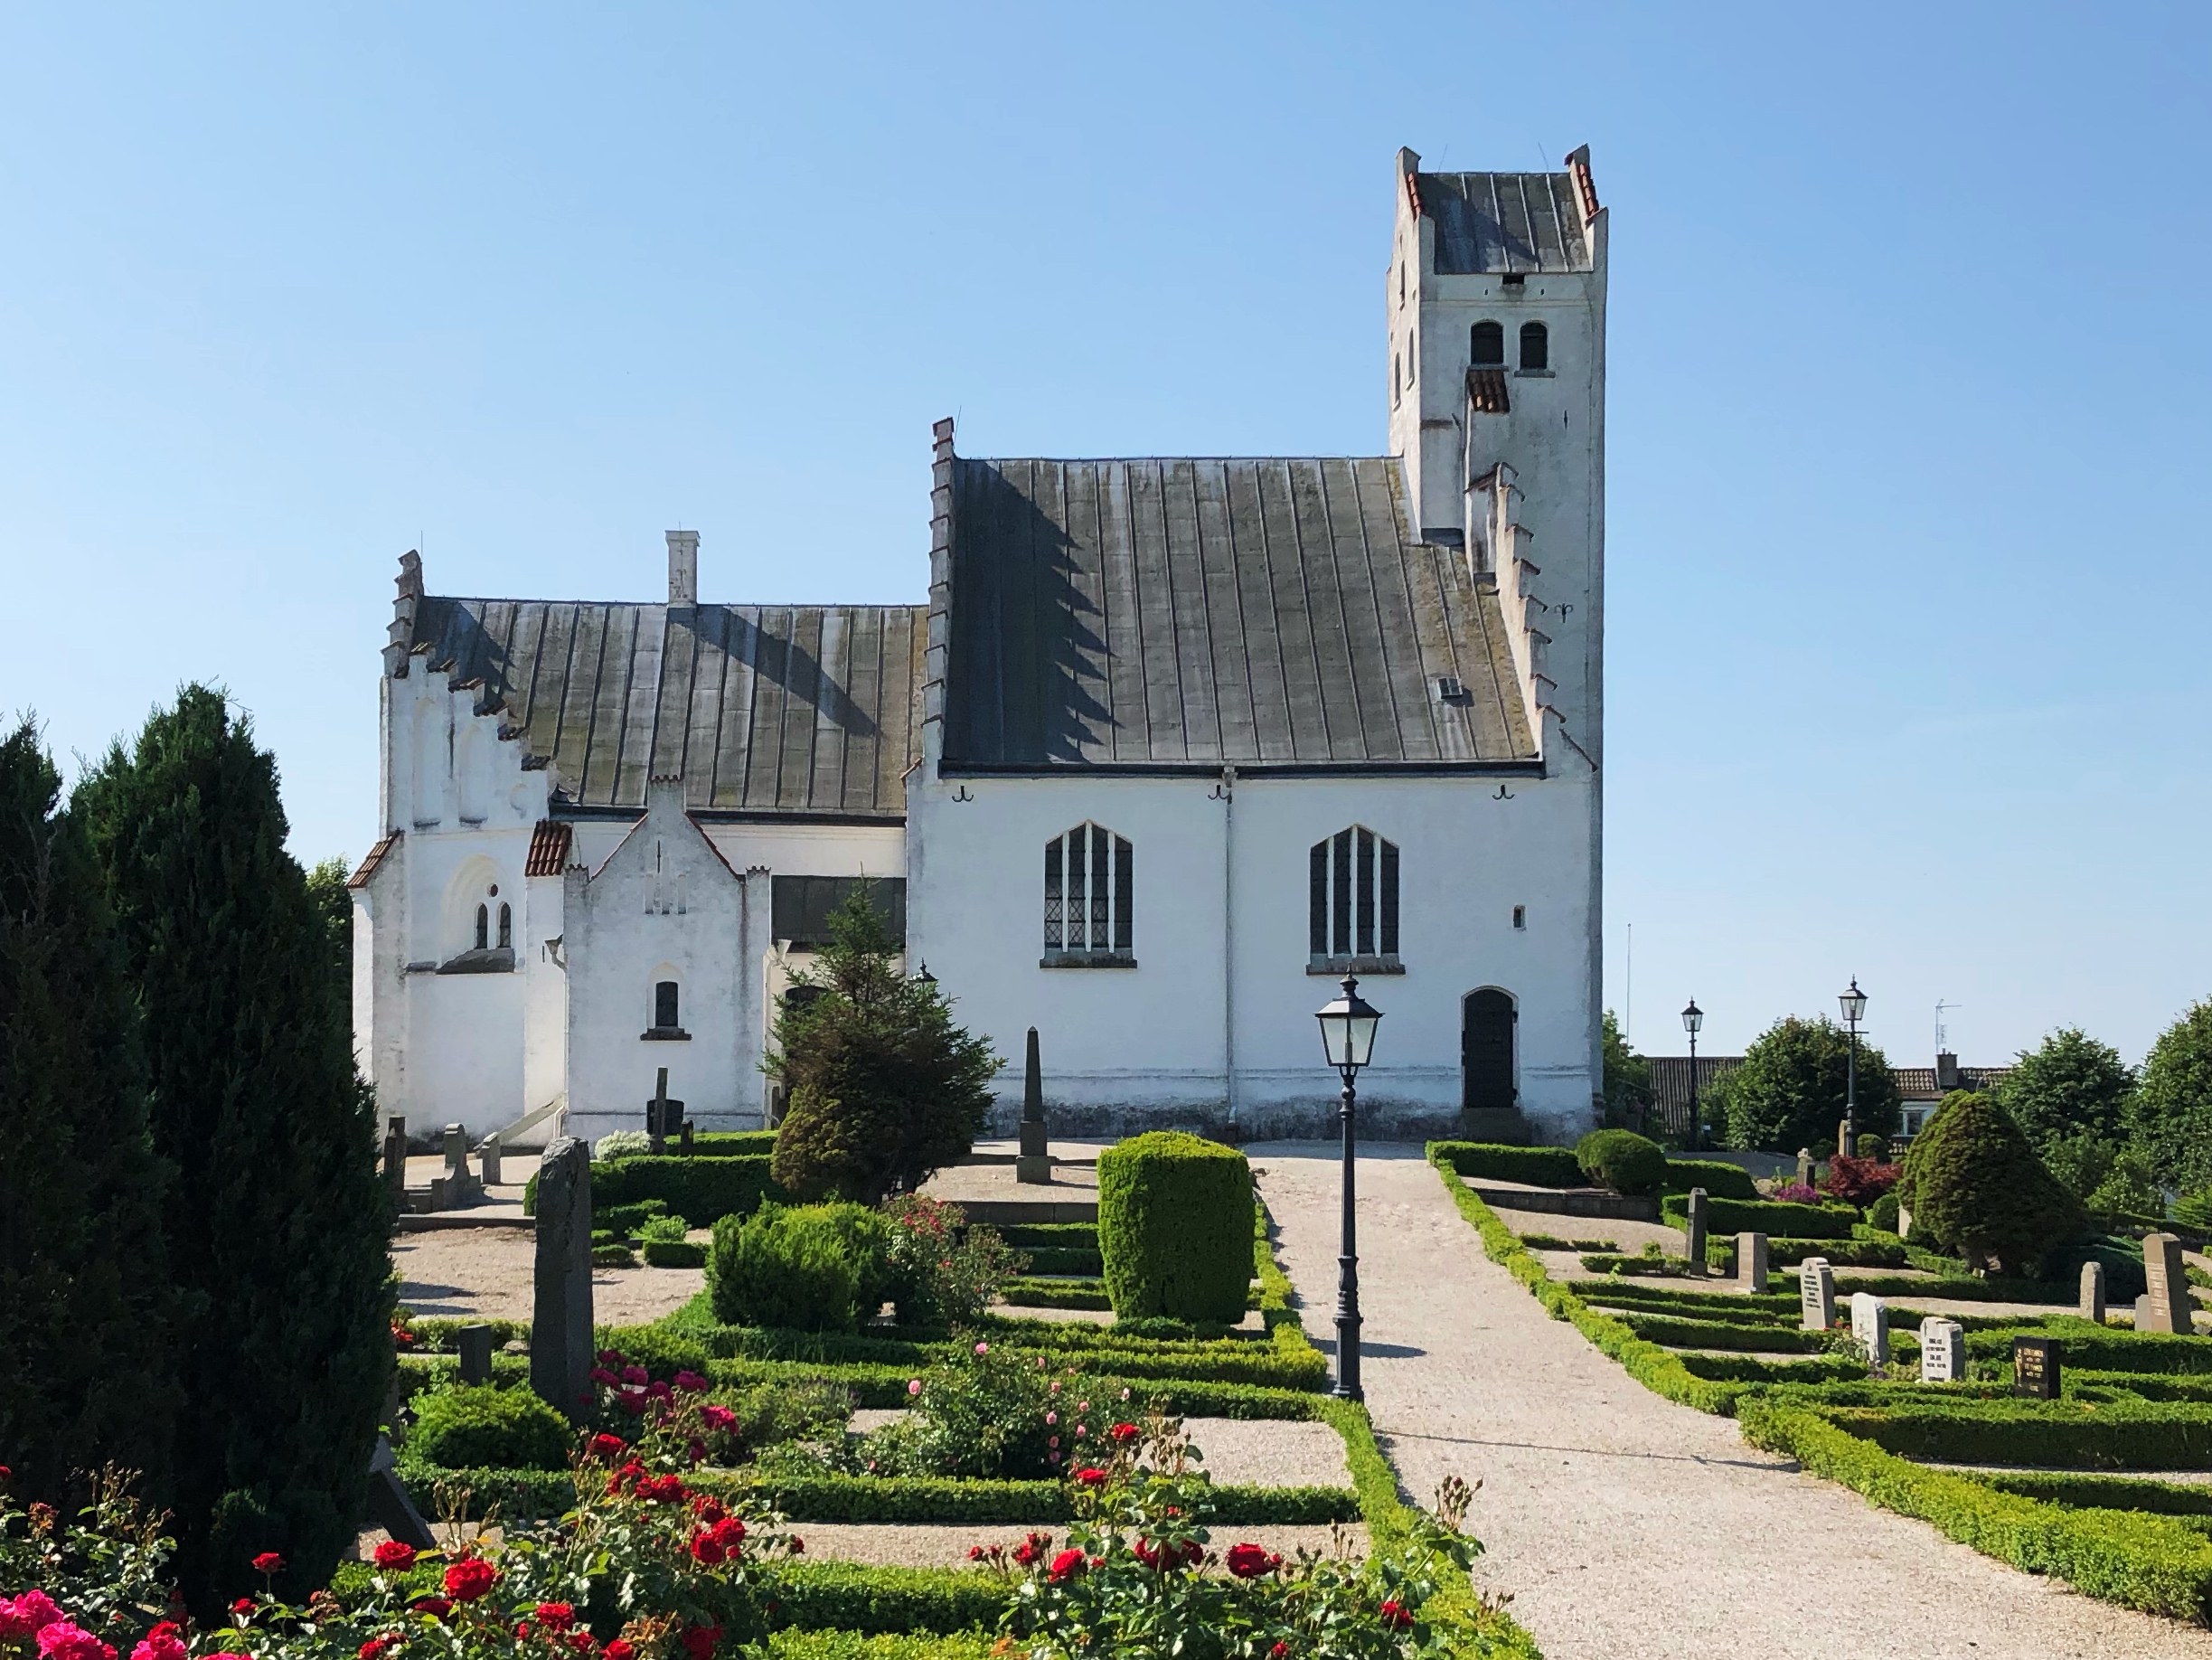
(1486, 344)
(1535, 346)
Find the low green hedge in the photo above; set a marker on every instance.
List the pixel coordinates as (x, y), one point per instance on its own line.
(2155, 1563)
(733, 1143)
(1495, 1162)
(1084, 1259)
(1665, 1299)
(2149, 1385)
(1960, 1290)
(444, 1336)
(1175, 1217)
(792, 1644)
(1720, 1253)
(1034, 1236)
(1639, 1267)
(2100, 1348)
(1748, 1369)
(1718, 1178)
(485, 1424)
(674, 1253)
(418, 1372)
(2115, 1435)
(1028, 1293)
(858, 1597)
(1716, 1334)
(2158, 1498)
(1774, 1218)
(702, 1191)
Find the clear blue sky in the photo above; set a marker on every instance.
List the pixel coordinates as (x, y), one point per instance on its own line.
(1909, 424)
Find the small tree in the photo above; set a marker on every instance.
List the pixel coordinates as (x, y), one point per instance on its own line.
(1790, 1091)
(2172, 1115)
(1975, 1186)
(1627, 1077)
(278, 1231)
(85, 1299)
(885, 1089)
(2069, 1085)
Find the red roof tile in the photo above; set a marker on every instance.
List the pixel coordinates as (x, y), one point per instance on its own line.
(548, 848)
(359, 878)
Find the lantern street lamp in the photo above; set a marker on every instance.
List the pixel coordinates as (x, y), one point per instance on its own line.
(1854, 1006)
(1348, 1039)
(1693, 1021)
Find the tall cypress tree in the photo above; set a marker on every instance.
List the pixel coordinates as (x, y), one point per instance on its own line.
(85, 1301)
(279, 1225)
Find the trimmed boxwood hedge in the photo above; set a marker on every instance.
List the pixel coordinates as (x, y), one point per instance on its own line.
(2115, 1435)
(1082, 1259)
(1720, 1253)
(1774, 1218)
(2162, 1498)
(1718, 1178)
(2099, 1348)
(1496, 1162)
(1028, 1293)
(1175, 1227)
(1714, 1335)
(484, 1423)
(861, 1597)
(674, 1253)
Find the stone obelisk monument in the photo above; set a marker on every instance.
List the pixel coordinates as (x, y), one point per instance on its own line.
(1034, 1165)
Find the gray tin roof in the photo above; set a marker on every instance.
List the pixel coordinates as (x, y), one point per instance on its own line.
(762, 709)
(1504, 221)
(1167, 614)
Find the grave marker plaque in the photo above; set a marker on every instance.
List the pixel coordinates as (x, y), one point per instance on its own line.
(1871, 1326)
(560, 1353)
(1816, 1292)
(2035, 1367)
(1805, 1166)
(2167, 1302)
(476, 1346)
(2092, 1292)
(1751, 1262)
(1942, 1351)
(1693, 1232)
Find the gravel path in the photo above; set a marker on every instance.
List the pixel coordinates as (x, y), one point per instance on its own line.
(486, 1273)
(1621, 1523)
(1239, 1452)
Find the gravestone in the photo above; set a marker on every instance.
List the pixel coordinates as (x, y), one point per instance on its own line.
(2092, 1292)
(1816, 1292)
(395, 1161)
(2167, 1306)
(475, 1346)
(560, 1352)
(2035, 1366)
(487, 1155)
(1847, 1138)
(388, 1505)
(1751, 1262)
(664, 1117)
(1871, 1326)
(441, 1194)
(1805, 1166)
(687, 1139)
(457, 1155)
(1693, 1232)
(1034, 1163)
(1942, 1351)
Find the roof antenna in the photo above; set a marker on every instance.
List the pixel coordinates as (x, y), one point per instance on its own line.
(1943, 1032)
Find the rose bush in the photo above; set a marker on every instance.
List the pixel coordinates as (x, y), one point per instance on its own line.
(983, 1412)
(944, 1270)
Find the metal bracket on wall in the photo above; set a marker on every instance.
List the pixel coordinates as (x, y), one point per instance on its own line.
(1503, 793)
(962, 793)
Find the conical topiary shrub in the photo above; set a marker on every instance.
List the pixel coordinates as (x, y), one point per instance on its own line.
(1976, 1188)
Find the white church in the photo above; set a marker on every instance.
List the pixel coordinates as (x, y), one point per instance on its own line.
(1173, 745)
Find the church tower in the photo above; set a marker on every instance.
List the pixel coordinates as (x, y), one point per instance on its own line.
(1496, 310)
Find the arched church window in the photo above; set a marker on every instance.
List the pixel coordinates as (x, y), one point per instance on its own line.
(484, 926)
(1090, 891)
(1352, 904)
(1535, 346)
(665, 1008)
(506, 927)
(1486, 344)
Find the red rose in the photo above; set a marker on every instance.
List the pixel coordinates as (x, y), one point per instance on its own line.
(1125, 1433)
(396, 1555)
(437, 1608)
(619, 1649)
(1249, 1562)
(1091, 1476)
(377, 1646)
(1067, 1564)
(706, 1548)
(6, 1475)
(243, 1608)
(581, 1641)
(608, 1446)
(1393, 1614)
(469, 1579)
(699, 1641)
(555, 1616)
(799, 1545)
(976, 1554)
(1281, 1651)
(268, 1562)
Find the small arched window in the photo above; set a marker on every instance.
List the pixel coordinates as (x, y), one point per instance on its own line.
(1351, 903)
(1535, 346)
(1486, 344)
(665, 1012)
(483, 927)
(506, 927)
(1090, 891)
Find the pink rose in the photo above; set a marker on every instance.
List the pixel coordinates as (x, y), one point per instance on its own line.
(66, 1640)
(28, 1614)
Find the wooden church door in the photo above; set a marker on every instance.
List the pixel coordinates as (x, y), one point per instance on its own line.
(1486, 1050)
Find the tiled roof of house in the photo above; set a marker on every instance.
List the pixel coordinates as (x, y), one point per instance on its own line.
(1504, 221)
(1670, 1079)
(548, 848)
(1189, 613)
(368, 865)
(1917, 1083)
(799, 710)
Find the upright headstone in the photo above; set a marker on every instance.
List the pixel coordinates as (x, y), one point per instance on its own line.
(1034, 1163)
(1905, 1222)
(457, 1155)
(395, 1161)
(475, 1346)
(487, 1155)
(686, 1143)
(1942, 1351)
(2167, 1306)
(664, 1117)
(1847, 1138)
(1871, 1326)
(2035, 1367)
(389, 1507)
(1751, 1262)
(1693, 1232)
(560, 1311)
(1816, 1291)
(1805, 1166)
(2092, 1292)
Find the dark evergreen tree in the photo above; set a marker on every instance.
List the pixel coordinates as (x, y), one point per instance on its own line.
(1790, 1091)
(2069, 1085)
(85, 1301)
(334, 904)
(1975, 1186)
(279, 1225)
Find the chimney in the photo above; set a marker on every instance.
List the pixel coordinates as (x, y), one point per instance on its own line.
(1947, 1070)
(683, 568)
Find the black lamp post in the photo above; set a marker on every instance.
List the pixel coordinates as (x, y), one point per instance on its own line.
(1348, 1039)
(1693, 1018)
(1854, 1006)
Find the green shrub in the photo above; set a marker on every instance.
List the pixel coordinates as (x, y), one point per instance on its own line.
(617, 1255)
(1720, 1253)
(1175, 1227)
(1622, 1161)
(674, 1253)
(2070, 1434)
(1777, 1219)
(1883, 1212)
(860, 1597)
(2100, 1348)
(733, 1143)
(800, 1267)
(1031, 1236)
(790, 1644)
(660, 1349)
(483, 1424)
(1790, 1088)
(705, 1190)
(1083, 1261)
(1718, 1178)
(1024, 1293)
(664, 1227)
(1495, 1162)
(1976, 1188)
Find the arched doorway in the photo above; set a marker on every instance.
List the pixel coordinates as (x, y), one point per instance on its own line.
(1486, 1059)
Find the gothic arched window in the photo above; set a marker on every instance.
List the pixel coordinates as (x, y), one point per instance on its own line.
(1486, 344)
(1352, 904)
(1089, 898)
(1535, 346)
(665, 1013)
(506, 927)
(483, 927)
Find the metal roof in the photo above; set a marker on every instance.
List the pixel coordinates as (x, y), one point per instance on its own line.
(1167, 613)
(1504, 221)
(761, 708)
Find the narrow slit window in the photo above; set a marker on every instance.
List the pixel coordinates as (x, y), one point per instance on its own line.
(1486, 344)
(1389, 898)
(1054, 851)
(1340, 912)
(1352, 900)
(1317, 900)
(1535, 346)
(665, 1009)
(506, 927)
(1364, 894)
(484, 926)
